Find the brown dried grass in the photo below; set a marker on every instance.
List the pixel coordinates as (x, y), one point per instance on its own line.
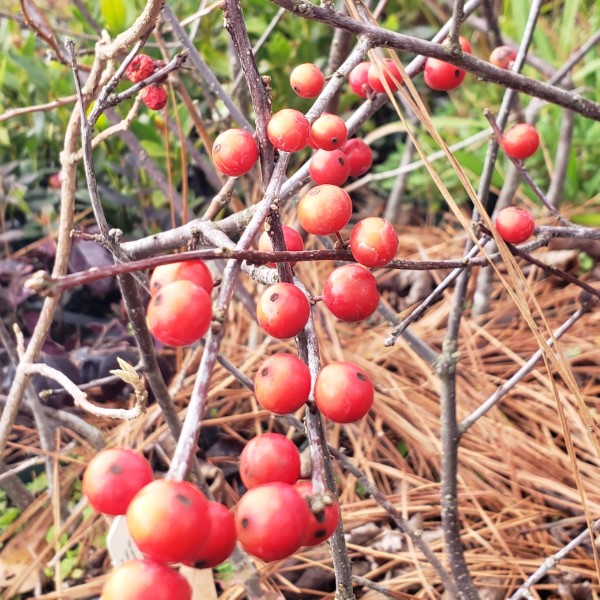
(519, 500)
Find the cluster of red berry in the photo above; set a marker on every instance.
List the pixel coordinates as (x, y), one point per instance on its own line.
(142, 66)
(169, 521)
(180, 312)
(277, 501)
(173, 522)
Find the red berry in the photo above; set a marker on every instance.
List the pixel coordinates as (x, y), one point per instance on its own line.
(373, 242)
(179, 314)
(307, 80)
(442, 76)
(282, 310)
(343, 392)
(293, 242)
(515, 225)
(288, 130)
(139, 68)
(384, 70)
(271, 521)
(324, 210)
(269, 457)
(465, 44)
(358, 156)
(195, 271)
(503, 57)
(329, 132)
(322, 524)
(234, 152)
(329, 167)
(144, 580)
(168, 520)
(113, 477)
(282, 384)
(154, 97)
(221, 538)
(359, 80)
(351, 293)
(521, 141)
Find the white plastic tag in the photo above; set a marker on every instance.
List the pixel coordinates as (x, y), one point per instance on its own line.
(119, 543)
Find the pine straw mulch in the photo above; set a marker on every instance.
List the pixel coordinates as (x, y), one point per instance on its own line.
(519, 500)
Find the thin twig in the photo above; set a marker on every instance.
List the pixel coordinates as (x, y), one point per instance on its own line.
(458, 16)
(261, 101)
(481, 294)
(205, 71)
(415, 536)
(433, 297)
(525, 174)
(80, 398)
(188, 439)
(510, 383)
(446, 371)
(561, 159)
(551, 562)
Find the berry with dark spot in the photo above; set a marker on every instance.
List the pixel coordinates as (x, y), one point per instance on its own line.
(169, 520)
(113, 477)
(271, 521)
(343, 392)
(139, 68)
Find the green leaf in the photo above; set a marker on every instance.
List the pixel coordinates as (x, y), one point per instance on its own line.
(114, 15)
(67, 565)
(586, 262)
(589, 219)
(8, 516)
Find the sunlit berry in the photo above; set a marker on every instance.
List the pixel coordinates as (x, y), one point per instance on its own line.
(113, 477)
(288, 130)
(195, 271)
(329, 132)
(168, 520)
(282, 310)
(307, 80)
(324, 210)
(234, 152)
(515, 225)
(142, 579)
(272, 520)
(373, 242)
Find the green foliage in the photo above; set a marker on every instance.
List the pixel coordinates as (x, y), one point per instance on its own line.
(8, 513)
